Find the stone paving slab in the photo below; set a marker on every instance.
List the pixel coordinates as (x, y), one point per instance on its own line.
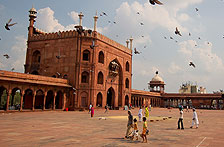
(74, 128)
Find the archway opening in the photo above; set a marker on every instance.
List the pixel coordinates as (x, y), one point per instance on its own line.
(28, 99)
(99, 100)
(126, 100)
(15, 98)
(58, 100)
(39, 99)
(49, 100)
(3, 98)
(110, 97)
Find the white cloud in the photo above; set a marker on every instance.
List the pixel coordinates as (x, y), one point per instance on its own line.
(74, 16)
(47, 21)
(202, 55)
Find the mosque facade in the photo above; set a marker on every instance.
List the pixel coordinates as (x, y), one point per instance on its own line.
(73, 69)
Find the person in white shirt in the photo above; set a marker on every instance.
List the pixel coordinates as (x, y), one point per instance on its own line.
(140, 114)
(181, 118)
(90, 106)
(195, 119)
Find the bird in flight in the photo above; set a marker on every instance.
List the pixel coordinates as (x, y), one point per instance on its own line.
(12, 69)
(135, 51)
(153, 2)
(192, 64)
(7, 25)
(177, 32)
(6, 56)
(189, 34)
(141, 23)
(171, 37)
(104, 13)
(93, 45)
(138, 13)
(196, 9)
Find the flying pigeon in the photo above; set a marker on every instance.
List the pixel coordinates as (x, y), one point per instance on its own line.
(7, 56)
(189, 34)
(138, 13)
(165, 37)
(135, 51)
(177, 32)
(12, 69)
(104, 13)
(192, 64)
(196, 9)
(171, 37)
(141, 23)
(115, 22)
(93, 45)
(153, 2)
(7, 25)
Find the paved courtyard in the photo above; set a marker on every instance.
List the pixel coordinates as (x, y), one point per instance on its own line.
(74, 128)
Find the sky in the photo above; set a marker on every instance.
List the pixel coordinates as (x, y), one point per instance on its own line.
(204, 46)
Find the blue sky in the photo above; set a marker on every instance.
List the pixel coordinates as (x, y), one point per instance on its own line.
(170, 58)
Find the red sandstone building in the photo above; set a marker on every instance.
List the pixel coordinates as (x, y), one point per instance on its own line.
(75, 68)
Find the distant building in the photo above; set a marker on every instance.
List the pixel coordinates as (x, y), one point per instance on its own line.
(191, 88)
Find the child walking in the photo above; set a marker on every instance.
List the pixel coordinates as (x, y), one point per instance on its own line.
(135, 132)
(195, 119)
(143, 135)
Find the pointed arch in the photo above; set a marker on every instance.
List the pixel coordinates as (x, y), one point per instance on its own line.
(86, 55)
(127, 66)
(99, 100)
(126, 83)
(100, 78)
(101, 57)
(85, 77)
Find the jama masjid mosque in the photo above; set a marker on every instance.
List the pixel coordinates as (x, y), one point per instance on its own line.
(71, 69)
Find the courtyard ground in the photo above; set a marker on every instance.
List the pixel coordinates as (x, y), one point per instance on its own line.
(74, 128)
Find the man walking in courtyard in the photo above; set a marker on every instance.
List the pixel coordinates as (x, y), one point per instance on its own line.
(129, 125)
(195, 119)
(181, 118)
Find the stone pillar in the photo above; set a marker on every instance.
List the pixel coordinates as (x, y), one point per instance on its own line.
(64, 101)
(44, 103)
(34, 96)
(54, 100)
(80, 18)
(8, 97)
(95, 22)
(21, 100)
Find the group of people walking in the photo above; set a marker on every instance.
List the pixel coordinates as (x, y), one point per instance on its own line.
(135, 133)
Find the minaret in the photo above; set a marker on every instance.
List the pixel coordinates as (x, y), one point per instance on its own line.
(95, 21)
(80, 18)
(131, 39)
(32, 16)
(127, 41)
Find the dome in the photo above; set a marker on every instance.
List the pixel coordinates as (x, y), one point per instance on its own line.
(32, 9)
(157, 78)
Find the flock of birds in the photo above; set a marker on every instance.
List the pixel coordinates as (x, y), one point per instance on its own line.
(152, 2)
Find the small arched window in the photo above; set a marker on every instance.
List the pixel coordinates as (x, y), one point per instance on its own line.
(100, 78)
(127, 83)
(36, 57)
(127, 66)
(101, 57)
(86, 55)
(85, 77)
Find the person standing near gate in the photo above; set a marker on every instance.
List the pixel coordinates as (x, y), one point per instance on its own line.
(181, 118)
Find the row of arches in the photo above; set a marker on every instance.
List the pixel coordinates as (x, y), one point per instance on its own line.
(100, 78)
(17, 99)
